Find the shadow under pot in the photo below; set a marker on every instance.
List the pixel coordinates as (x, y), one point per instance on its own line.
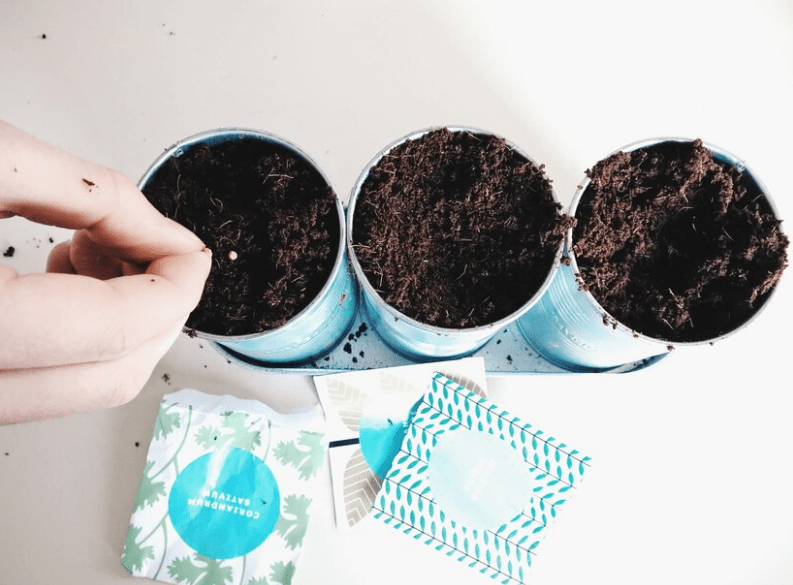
(453, 233)
(279, 291)
(676, 244)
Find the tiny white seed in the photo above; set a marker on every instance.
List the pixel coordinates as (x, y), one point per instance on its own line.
(233, 255)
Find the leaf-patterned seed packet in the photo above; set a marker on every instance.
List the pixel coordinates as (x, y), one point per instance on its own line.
(225, 493)
(477, 483)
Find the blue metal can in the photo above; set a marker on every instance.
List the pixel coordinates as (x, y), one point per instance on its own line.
(570, 328)
(405, 335)
(327, 318)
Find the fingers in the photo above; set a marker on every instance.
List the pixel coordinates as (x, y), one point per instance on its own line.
(62, 319)
(87, 334)
(129, 269)
(58, 260)
(61, 260)
(89, 259)
(187, 273)
(40, 393)
(50, 186)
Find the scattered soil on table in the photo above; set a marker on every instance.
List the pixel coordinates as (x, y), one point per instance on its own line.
(270, 220)
(675, 244)
(456, 229)
(9, 253)
(353, 338)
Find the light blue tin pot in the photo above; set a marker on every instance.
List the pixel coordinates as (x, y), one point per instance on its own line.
(571, 329)
(410, 338)
(320, 326)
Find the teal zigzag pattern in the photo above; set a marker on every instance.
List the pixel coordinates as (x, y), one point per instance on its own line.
(406, 501)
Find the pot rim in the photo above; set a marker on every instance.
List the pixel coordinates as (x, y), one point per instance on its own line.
(722, 155)
(235, 132)
(378, 299)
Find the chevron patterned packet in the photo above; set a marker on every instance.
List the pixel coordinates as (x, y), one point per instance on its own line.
(477, 483)
(367, 415)
(226, 491)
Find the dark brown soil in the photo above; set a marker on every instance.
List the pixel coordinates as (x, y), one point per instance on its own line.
(675, 244)
(270, 220)
(455, 229)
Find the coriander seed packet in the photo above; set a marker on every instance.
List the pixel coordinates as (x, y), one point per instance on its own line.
(225, 492)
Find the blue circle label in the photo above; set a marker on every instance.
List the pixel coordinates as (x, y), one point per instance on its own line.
(382, 430)
(224, 504)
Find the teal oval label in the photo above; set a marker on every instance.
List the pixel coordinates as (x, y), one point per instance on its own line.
(478, 479)
(224, 504)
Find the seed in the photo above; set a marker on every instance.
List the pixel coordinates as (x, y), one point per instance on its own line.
(233, 256)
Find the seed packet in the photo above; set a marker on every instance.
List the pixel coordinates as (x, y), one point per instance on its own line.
(225, 492)
(477, 483)
(367, 413)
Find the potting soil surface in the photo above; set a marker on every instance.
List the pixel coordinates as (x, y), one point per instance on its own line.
(675, 244)
(456, 229)
(270, 220)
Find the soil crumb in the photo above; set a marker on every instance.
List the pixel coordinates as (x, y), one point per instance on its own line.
(9, 252)
(456, 229)
(271, 221)
(675, 243)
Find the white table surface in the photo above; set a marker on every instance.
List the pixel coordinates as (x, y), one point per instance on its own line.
(692, 474)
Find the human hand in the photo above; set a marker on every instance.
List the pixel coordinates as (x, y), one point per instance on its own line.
(87, 334)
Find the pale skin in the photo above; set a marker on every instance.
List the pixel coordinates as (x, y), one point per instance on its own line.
(86, 334)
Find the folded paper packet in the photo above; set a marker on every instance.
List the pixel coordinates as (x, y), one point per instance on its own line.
(225, 492)
(477, 483)
(367, 414)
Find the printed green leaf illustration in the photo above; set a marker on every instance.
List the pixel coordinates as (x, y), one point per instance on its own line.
(306, 456)
(242, 437)
(207, 436)
(184, 570)
(293, 521)
(166, 423)
(258, 581)
(134, 556)
(149, 491)
(282, 572)
(200, 571)
(235, 432)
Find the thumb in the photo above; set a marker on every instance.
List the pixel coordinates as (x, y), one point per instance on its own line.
(187, 272)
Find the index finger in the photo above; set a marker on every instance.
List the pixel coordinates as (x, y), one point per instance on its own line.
(48, 185)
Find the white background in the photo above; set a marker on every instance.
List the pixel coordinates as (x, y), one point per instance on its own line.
(692, 474)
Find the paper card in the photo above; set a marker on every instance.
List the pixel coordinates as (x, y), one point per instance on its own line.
(477, 483)
(367, 414)
(226, 492)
